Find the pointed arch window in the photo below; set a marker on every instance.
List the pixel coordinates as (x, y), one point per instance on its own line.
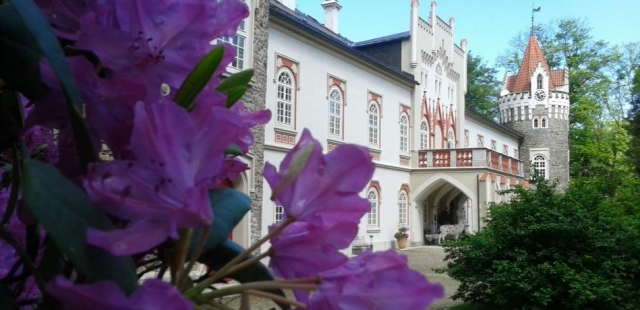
(374, 201)
(536, 122)
(286, 99)
(374, 123)
(404, 133)
(451, 140)
(543, 122)
(424, 135)
(539, 163)
(403, 218)
(335, 112)
(539, 81)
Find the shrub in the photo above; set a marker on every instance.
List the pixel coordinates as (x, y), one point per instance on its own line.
(546, 250)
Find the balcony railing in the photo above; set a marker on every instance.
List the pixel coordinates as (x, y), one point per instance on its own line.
(475, 157)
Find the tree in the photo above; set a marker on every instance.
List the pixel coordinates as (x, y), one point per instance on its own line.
(546, 250)
(634, 122)
(483, 88)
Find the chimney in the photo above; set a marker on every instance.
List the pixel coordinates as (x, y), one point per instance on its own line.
(331, 9)
(289, 3)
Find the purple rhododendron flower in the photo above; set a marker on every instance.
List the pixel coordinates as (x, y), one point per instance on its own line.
(160, 41)
(380, 280)
(153, 294)
(322, 193)
(165, 188)
(328, 185)
(292, 247)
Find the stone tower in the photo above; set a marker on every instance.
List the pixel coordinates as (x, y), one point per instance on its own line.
(535, 102)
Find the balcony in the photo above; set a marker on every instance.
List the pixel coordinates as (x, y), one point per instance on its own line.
(471, 157)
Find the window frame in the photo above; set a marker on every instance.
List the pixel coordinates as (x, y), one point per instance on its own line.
(424, 135)
(278, 213)
(539, 81)
(336, 132)
(376, 127)
(544, 162)
(404, 133)
(403, 209)
(374, 212)
(451, 139)
(292, 101)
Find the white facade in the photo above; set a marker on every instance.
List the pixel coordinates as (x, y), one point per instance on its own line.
(430, 169)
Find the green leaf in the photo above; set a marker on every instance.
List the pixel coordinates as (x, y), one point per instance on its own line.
(229, 207)
(41, 32)
(198, 78)
(227, 251)
(235, 86)
(66, 213)
(241, 78)
(234, 94)
(233, 150)
(6, 300)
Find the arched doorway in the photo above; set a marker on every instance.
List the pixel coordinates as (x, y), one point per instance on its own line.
(444, 200)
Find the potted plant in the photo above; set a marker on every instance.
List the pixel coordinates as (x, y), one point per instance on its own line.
(401, 237)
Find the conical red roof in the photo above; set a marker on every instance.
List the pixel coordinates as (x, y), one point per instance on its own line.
(532, 55)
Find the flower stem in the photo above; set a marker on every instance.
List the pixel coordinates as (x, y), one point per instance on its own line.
(7, 237)
(178, 257)
(277, 298)
(249, 262)
(225, 269)
(260, 285)
(194, 256)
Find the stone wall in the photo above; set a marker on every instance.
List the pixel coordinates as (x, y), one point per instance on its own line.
(555, 138)
(255, 100)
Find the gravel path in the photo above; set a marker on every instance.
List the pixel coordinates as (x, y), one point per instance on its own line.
(422, 259)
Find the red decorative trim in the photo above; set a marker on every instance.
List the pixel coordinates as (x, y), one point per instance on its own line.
(376, 185)
(405, 187)
(405, 161)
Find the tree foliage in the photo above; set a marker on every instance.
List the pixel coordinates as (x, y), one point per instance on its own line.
(483, 89)
(546, 250)
(634, 122)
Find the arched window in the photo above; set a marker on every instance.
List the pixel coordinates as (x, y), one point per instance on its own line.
(539, 80)
(286, 99)
(451, 140)
(404, 133)
(535, 122)
(403, 218)
(372, 216)
(424, 136)
(335, 112)
(543, 122)
(374, 123)
(498, 194)
(539, 163)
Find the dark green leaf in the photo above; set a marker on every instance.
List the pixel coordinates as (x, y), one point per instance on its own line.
(48, 43)
(234, 94)
(218, 257)
(51, 263)
(233, 150)
(198, 78)
(66, 213)
(241, 78)
(229, 207)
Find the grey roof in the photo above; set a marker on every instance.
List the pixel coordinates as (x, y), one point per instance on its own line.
(487, 121)
(389, 38)
(314, 28)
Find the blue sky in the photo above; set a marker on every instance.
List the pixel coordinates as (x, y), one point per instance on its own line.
(488, 25)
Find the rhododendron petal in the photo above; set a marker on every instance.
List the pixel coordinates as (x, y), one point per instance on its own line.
(152, 295)
(136, 238)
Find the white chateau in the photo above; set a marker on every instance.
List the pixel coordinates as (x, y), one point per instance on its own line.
(403, 97)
